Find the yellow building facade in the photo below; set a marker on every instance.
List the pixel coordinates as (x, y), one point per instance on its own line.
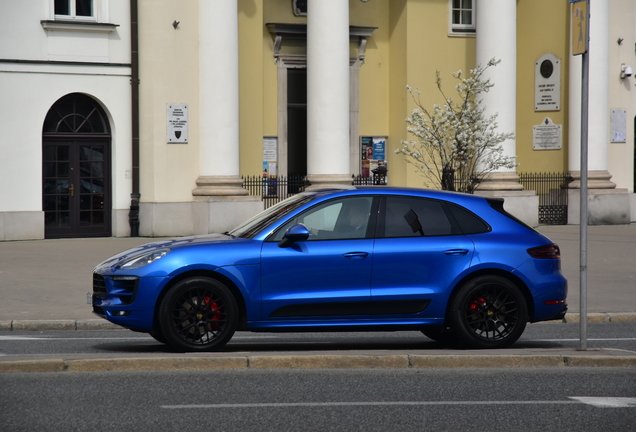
(391, 44)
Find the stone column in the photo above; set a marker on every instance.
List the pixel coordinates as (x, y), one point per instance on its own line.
(598, 112)
(221, 202)
(328, 93)
(219, 100)
(497, 38)
(606, 204)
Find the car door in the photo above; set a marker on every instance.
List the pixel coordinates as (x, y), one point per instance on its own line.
(328, 276)
(418, 254)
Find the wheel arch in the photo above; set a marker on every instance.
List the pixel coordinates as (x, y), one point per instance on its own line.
(492, 272)
(236, 292)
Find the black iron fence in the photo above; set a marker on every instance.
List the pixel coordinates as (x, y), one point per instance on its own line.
(375, 180)
(552, 189)
(273, 190)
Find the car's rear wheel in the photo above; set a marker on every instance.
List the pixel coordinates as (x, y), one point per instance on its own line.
(198, 314)
(489, 312)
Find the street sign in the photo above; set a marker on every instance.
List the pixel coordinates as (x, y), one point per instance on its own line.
(579, 26)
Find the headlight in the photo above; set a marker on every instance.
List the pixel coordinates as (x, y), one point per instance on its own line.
(143, 260)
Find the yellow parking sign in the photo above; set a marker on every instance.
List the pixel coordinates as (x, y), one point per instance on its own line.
(579, 27)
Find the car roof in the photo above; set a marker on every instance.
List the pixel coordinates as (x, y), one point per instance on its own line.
(395, 190)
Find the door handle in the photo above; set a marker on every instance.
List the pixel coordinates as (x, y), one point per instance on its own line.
(72, 189)
(357, 255)
(456, 252)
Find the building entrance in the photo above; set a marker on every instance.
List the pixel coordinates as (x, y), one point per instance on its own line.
(76, 158)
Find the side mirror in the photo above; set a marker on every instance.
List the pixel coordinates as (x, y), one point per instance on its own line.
(294, 234)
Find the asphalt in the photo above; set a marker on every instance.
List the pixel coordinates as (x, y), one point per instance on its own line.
(43, 286)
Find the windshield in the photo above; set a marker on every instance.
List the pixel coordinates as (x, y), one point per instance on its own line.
(254, 225)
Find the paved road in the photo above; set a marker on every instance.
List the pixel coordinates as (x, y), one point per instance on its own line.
(520, 399)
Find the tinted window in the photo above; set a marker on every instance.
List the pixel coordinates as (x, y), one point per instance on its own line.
(468, 222)
(345, 218)
(262, 220)
(414, 217)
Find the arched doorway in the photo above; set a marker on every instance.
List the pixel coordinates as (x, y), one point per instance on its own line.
(76, 161)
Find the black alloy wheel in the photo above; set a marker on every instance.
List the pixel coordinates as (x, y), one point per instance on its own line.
(489, 312)
(198, 314)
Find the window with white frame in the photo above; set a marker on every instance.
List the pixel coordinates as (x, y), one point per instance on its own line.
(74, 9)
(462, 16)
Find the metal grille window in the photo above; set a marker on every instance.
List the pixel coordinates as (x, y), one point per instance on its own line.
(462, 16)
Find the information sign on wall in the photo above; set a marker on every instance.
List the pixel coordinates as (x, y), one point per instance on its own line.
(177, 123)
(547, 136)
(618, 126)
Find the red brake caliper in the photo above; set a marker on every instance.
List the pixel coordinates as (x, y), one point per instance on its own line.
(477, 304)
(214, 309)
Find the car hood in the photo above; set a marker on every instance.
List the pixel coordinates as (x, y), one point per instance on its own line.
(173, 243)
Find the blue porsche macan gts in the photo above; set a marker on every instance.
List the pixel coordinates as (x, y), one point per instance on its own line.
(456, 267)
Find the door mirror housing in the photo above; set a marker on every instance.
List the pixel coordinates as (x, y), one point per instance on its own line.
(294, 234)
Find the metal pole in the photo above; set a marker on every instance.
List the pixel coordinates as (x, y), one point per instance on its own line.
(584, 168)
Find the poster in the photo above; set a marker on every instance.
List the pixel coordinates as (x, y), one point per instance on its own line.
(373, 156)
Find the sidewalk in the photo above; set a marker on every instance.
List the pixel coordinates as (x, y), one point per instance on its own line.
(49, 279)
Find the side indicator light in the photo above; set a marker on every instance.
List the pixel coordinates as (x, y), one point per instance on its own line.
(555, 302)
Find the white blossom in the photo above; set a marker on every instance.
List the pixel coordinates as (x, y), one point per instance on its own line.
(456, 138)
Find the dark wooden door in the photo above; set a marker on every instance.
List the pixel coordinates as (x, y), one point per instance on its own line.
(76, 190)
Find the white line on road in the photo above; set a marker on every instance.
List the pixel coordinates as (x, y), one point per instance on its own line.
(363, 404)
(600, 402)
(608, 402)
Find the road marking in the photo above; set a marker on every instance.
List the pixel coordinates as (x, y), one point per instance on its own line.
(35, 338)
(608, 402)
(600, 402)
(577, 339)
(364, 404)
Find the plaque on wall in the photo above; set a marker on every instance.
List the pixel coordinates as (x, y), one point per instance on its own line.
(547, 83)
(547, 136)
(177, 123)
(618, 126)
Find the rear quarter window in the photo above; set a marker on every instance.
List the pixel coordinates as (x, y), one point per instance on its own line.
(468, 222)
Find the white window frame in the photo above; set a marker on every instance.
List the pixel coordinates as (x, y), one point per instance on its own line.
(459, 29)
(100, 12)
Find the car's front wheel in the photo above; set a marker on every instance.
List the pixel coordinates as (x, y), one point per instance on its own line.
(198, 314)
(489, 312)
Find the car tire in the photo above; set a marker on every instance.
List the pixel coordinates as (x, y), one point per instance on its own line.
(157, 335)
(489, 312)
(198, 314)
(441, 335)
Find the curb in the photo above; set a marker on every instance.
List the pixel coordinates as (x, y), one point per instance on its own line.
(316, 362)
(101, 324)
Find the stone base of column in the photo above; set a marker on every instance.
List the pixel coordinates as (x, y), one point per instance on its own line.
(219, 186)
(500, 181)
(327, 181)
(595, 180)
(604, 207)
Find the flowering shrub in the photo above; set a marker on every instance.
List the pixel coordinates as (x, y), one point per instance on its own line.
(456, 144)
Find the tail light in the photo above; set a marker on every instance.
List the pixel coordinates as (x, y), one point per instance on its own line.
(545, 252)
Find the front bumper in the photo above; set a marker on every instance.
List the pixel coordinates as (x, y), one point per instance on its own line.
(128, 301)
